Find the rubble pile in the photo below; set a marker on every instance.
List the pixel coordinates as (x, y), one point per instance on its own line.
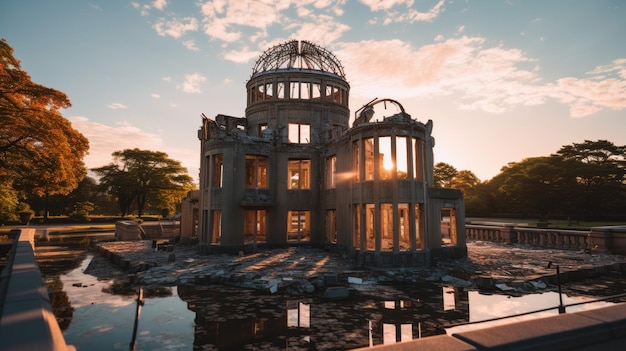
(304, 270)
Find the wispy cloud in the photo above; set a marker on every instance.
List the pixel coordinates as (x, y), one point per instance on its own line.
(175, 28)
(155, 95)
(242, 56)
(117, 106)
(490, 78)
(159, 4)
(95, 7)
(320, 29)
(403, 11)
(105, 139)
(222, 20)
(191, 84)
(604, 87)
(167, 79)
(191, 45)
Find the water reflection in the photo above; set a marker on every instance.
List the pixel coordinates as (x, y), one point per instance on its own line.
(99, 315)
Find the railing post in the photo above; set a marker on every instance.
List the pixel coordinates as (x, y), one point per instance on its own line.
(507, 233)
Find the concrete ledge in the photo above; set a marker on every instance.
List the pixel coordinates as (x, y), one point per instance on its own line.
(27, 321)
(562, 332)
(432, 343)
(597, 329)
(613, 317)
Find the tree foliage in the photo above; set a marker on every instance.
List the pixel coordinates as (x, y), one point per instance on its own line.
(582, 181)
(40, 152)
(443, 174)
(142, 177)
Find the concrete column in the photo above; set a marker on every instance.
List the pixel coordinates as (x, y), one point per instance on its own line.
(508, 234)
(608, 239)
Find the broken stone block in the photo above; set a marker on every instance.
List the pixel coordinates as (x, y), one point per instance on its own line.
(336, 292)
(504, 287)
(355, 280)
(448, 279)
(331, 279)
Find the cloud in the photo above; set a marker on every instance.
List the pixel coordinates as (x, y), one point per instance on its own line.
(117, 106)
(222, 18)
(159, 4)
(406, 13)
(232, 20)
(105, 139)
(320, 29)
(489, 78)
(142, 8)
(155, 95)
(605, 87)
(242, 56)
(191, 45)
(95, 7)
(191, 84)
(176, 27)
(167, 79)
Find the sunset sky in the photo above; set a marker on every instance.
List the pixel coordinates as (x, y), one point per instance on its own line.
(501, 80)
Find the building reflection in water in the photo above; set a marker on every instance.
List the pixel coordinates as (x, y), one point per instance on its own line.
(237, 319)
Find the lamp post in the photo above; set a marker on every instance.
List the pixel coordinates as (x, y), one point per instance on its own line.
(558, 282)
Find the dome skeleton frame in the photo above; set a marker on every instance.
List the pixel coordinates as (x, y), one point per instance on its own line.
(298, 55)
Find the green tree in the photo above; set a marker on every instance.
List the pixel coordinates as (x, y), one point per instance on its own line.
(8, 202)
(599, 168)
(443, 175)
(143, 177)
(40, 152)
(466, 181)
(537, 184)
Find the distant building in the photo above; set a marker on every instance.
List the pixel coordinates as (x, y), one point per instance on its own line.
(294, 171)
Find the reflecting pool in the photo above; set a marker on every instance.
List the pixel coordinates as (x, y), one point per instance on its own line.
(99, 315)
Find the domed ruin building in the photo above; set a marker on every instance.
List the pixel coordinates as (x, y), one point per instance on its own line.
(294, 171)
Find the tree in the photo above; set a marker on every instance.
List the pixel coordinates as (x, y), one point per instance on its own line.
(444, 174)
(537, 184)
(40, 152)
(466, 181)
(599, 168)
(141, 177)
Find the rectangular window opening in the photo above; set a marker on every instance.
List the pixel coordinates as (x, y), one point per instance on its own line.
(299, 226)
(216, 232)
(402, 161)
(255, 225)
(280, 90)
(386, 227)
(218, 170)
(368, 146)
(370, 229)
(256, 171)
(299, 174)
(299, 133)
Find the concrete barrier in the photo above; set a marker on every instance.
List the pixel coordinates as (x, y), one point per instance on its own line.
(26, 318)
(597, 329)
(127, 230)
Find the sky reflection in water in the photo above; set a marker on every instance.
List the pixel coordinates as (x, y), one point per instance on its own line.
(104, 321)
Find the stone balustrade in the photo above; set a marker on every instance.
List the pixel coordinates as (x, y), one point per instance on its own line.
(601, 239)
(26, 318)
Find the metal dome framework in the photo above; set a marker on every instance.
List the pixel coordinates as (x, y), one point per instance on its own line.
(298, 55)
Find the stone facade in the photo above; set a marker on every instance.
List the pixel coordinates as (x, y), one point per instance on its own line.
(294, 171)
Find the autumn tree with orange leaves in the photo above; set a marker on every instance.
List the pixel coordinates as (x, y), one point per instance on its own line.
(40, 152)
